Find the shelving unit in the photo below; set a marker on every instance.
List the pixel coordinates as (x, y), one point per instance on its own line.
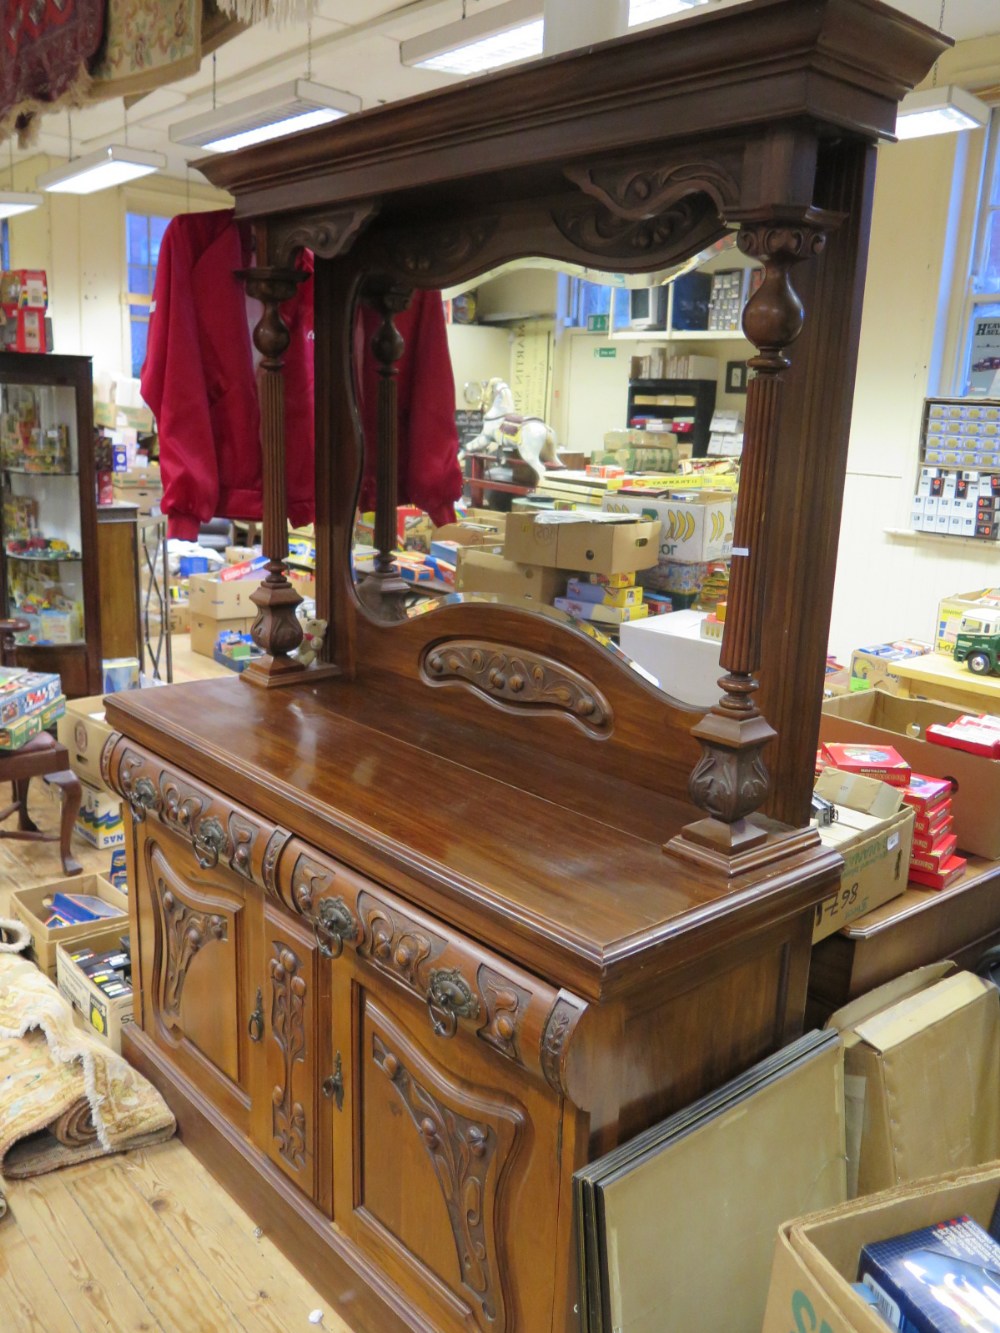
(958, 475)
(701, 404)
(46, 413)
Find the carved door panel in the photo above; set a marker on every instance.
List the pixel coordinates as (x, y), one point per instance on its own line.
(194, 938)
(448, 1148)
(285, 1033)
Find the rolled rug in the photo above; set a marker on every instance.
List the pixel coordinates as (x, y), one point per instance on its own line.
(15, 936)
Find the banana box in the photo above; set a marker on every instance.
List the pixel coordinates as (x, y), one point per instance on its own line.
(694, 529)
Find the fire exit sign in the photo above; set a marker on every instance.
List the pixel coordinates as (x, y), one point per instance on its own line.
(597, 323)
(605, 353)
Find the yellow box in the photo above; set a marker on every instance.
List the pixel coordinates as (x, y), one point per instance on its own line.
(104, 1015)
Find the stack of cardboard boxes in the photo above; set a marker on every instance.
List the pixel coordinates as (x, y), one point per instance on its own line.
(696, 528)
(581, 562)
(221, 603)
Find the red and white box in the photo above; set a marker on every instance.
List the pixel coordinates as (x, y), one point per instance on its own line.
(871, 761)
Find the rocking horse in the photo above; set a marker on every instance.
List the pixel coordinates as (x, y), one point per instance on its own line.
(506, 432)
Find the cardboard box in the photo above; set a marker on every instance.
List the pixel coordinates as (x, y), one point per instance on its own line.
(874, 717)
(222, 599)
(206, 629)
(146, 499)
(180, 618)
(952, 609)
(692, 531)
(103, 1014)
(816, 1257)
(581, 542)
(921, 1052)
(28, 906)
(873, 832)
(83, 731)
(100, 819)
(484, 571)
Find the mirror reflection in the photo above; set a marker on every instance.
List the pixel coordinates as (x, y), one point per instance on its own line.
(599, 424)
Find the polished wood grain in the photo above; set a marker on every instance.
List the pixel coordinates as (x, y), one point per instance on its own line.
(555, 912)
(476, 942)
(118, 558)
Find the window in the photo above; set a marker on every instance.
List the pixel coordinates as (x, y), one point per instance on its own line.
(981, 352)
(580, 300)
(143, 235)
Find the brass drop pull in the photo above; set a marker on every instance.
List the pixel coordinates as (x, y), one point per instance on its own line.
(333, 1087)
(256, 1024)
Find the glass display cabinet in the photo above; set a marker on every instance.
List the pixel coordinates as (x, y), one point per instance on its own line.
(49, 572)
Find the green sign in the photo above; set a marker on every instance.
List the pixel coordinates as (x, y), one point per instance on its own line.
(597, 323)
(606, 353)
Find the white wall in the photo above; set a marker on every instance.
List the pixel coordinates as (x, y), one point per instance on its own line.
(79, 240)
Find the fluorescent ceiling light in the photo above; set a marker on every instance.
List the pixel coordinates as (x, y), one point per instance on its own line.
(939, 111)
(12, 203)
(648, 11)
(488, 39)
(99, 171)
(299, 105)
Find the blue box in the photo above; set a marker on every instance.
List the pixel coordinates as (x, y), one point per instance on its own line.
(120, 673)
(939, 1279)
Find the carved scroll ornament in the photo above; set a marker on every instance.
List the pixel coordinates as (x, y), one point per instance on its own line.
(519, 681)
(462, 1150)
(186, 931)
(638, 193)
(288, 997)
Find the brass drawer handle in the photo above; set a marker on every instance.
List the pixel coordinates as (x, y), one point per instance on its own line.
(333, 1087)
(449, 998)
(333, 925)
(256, 1024)
(209, 842)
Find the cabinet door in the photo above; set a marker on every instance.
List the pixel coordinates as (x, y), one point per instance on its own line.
(285, 1098)
(195, 941)
(447, 1161)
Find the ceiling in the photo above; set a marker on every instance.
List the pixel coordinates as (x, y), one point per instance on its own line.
(351, 45)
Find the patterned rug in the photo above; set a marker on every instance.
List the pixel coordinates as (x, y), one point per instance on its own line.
(44, 49)
(64, 1097)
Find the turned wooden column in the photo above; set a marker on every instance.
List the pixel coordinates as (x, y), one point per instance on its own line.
(276, 630)
(731, 781)
(383, 591)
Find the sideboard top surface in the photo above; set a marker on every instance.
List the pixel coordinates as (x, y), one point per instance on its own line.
(576, 897)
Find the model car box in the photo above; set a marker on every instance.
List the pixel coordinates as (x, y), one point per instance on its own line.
(104, 1009)
(816, 1257)
(215, 598)
(24, 692)
(873, 717)
(693, 529)
(873, 832)
(582, 542)
(83, 731)
(29, 906)
(919, 1064)
(205, 630)
(481, 570)
(952, 609)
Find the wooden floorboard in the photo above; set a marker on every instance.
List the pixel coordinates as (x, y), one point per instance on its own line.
(143, 1241)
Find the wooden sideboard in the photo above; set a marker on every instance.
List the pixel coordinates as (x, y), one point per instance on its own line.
(426, 926)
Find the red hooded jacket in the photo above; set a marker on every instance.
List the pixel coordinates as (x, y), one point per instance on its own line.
(199, 381)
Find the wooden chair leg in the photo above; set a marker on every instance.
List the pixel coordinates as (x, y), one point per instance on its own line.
(71, 795)
(24, 821)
